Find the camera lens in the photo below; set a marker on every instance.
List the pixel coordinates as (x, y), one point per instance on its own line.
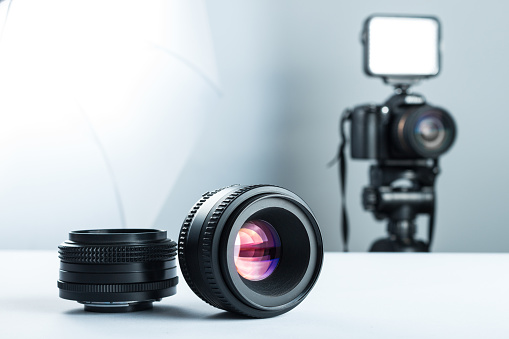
(252, 250)
(427, 132)
(117, 270)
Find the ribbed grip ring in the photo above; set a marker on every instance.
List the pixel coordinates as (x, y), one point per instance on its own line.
(117, 254)
(223, 304)
(117, 288)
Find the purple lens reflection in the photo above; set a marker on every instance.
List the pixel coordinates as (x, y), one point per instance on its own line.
(257, 250)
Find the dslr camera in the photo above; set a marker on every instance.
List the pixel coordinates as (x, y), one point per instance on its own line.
(405, 135)
(405, 127)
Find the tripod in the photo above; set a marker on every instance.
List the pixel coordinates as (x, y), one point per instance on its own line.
(399, 191)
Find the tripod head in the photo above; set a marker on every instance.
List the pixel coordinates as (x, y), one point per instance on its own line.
(399, 191)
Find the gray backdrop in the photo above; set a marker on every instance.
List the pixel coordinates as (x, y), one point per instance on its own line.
(288, 69)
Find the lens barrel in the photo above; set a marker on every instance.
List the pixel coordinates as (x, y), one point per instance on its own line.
(251, 250)
(117, 270)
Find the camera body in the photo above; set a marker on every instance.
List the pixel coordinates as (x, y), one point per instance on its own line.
(405, 127)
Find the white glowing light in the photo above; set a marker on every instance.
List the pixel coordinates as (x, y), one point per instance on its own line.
(403, 46)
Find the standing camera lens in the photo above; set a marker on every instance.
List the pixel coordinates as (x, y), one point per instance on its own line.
(117, 270)
(252, 250)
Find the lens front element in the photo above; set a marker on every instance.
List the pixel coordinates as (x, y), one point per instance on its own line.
(430, 132)
(257, 250)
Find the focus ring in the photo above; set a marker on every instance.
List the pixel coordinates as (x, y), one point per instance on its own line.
(207, 248)
(117, 254)
(182, 243)
(220, 301)
(117, 288)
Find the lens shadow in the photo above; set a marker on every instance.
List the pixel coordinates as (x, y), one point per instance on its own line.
(165, 312)
(229, 316)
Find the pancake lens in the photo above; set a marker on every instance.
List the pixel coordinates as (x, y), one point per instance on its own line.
(257, 250)
(117, 270)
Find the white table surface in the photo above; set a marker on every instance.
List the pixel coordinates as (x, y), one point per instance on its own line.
(358, 295)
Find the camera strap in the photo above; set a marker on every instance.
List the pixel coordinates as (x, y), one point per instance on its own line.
(342, 176)
(431, 226)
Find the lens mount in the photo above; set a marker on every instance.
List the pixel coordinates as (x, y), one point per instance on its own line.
(233, 260)
(117, 270)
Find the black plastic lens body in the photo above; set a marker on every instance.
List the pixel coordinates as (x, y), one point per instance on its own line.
(117, 270)
(252, 250)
